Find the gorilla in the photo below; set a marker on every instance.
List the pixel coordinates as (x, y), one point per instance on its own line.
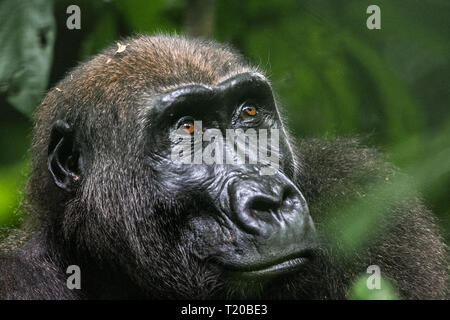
(106, 194)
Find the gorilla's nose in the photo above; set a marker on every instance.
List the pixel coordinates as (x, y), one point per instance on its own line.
(266, 207)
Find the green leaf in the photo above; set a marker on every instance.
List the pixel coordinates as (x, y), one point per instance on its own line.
(26, 48)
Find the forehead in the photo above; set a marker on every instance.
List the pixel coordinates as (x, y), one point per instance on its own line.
(163, 62)
(150, 66)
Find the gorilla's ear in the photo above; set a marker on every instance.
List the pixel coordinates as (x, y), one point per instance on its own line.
(63, 156)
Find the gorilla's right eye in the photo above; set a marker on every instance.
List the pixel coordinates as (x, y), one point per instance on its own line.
(249, 110)
(187, 126)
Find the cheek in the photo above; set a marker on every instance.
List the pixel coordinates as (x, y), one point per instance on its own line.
(184, 178)
(205, 236)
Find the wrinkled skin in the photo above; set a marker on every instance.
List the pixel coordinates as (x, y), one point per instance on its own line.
(105, 193)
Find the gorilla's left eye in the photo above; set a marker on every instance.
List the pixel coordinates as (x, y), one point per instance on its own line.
(187, 126)
(248, 111)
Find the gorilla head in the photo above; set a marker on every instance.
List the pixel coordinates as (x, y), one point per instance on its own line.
(110, 197)
(177, 227)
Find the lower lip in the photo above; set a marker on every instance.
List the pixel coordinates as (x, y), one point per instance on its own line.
(278, 269)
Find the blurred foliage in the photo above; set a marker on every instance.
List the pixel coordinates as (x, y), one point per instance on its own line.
(14, 163)
(26, 46)
(360, 290)
(332, 74)
(11, 185)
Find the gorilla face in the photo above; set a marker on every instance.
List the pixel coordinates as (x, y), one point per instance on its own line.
(188, 228)
(174, 173)
(235, 217)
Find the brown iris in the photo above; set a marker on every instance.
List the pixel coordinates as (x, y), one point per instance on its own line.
(249, 110)
(188, 127)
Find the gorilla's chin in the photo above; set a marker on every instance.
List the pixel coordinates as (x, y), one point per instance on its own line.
(281, 286)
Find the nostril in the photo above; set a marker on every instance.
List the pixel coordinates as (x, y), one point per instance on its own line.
(263, 209)
(288, 196)
(263, 204)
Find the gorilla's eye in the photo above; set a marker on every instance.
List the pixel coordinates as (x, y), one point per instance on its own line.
(248, 111)
(187, 126)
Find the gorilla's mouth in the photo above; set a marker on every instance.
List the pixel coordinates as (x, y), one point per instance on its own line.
(275, 267)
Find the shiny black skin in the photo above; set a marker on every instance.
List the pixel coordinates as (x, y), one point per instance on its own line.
(266, 215)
